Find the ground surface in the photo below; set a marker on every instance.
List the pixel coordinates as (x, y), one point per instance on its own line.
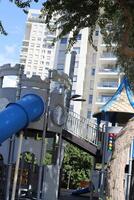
(66, 195)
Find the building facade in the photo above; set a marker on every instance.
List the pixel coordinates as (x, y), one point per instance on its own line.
(95, 77)
(37, 53)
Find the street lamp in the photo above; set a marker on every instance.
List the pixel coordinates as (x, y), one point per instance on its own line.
(79, 100)
(75, 97)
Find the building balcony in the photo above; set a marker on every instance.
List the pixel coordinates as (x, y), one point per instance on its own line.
(36, 19)
(103, 100)
(105, 45)
(23, 54)
(25, 43)
(108, 56)
(107, 86)
(108, 71)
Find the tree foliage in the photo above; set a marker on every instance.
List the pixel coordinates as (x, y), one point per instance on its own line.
(77, 165)
(114, 17)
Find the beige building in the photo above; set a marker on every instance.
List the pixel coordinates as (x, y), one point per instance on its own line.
(101, 78)
(95, 75)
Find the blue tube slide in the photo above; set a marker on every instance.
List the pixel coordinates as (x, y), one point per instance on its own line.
(17, 116)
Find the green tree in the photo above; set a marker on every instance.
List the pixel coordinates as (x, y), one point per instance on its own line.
(114, 17)
(77, 165)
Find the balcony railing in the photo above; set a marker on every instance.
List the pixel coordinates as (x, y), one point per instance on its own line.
(108, 70)
(103, 99)
(36, 19)
(108, 55)
(108, 84)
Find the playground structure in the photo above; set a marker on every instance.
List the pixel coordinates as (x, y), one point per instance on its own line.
(34, 121)
(24, 156)
(118, 110)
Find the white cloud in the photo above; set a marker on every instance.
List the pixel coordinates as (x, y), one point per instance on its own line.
(17, 30)
(10, 49)
(8, 55)
(4, 59)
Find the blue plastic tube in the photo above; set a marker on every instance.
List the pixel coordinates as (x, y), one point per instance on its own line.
(17, 116)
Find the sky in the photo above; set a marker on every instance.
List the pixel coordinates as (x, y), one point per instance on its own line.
(13, 19)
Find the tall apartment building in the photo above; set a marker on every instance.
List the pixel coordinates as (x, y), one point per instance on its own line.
(37, 53)
(95, 75)
(102, 77)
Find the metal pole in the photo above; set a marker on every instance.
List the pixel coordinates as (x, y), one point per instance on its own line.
(68, 182)
(43, 145)
(12, 139)
(103, 158)
(71, 74)
(17, 166)
(130, 170)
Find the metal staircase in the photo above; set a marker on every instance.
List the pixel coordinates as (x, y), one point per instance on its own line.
(81, 132)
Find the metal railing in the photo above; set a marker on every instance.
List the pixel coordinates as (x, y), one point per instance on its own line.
(81, 127)
(108, 84)
(107, 55)
(103, 99)
(108, 70)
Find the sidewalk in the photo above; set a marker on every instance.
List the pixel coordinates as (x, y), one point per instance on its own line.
(66, 195)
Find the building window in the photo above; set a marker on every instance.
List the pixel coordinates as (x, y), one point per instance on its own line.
(93, 71)
(49, 52)
(89, 114)
(38, 46)
(77, 50)
(60, 67)
(73, 92)
(79, 37)
(75, 78)
(48, 57)
(39, 39)
(94, 58)
(28, 73)
(71, 107)
(47, 63)
(97, 33)
(105, 98)
(76, 64)
(29, 61)
(33, 38)
(30, 55)
(91, 84)
(63, 41)
(90, 99)
(50, 46)
(62, 54)
(32, 45)
(35, 62)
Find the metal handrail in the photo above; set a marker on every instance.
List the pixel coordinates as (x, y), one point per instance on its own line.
(81, 127)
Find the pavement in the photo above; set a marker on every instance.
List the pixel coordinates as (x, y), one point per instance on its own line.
(66, 195)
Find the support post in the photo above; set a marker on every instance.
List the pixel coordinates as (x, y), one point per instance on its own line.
(12, 139)
(17, 166)
(130, 170)
(102, 195)
(71, 74)
(43, 145)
